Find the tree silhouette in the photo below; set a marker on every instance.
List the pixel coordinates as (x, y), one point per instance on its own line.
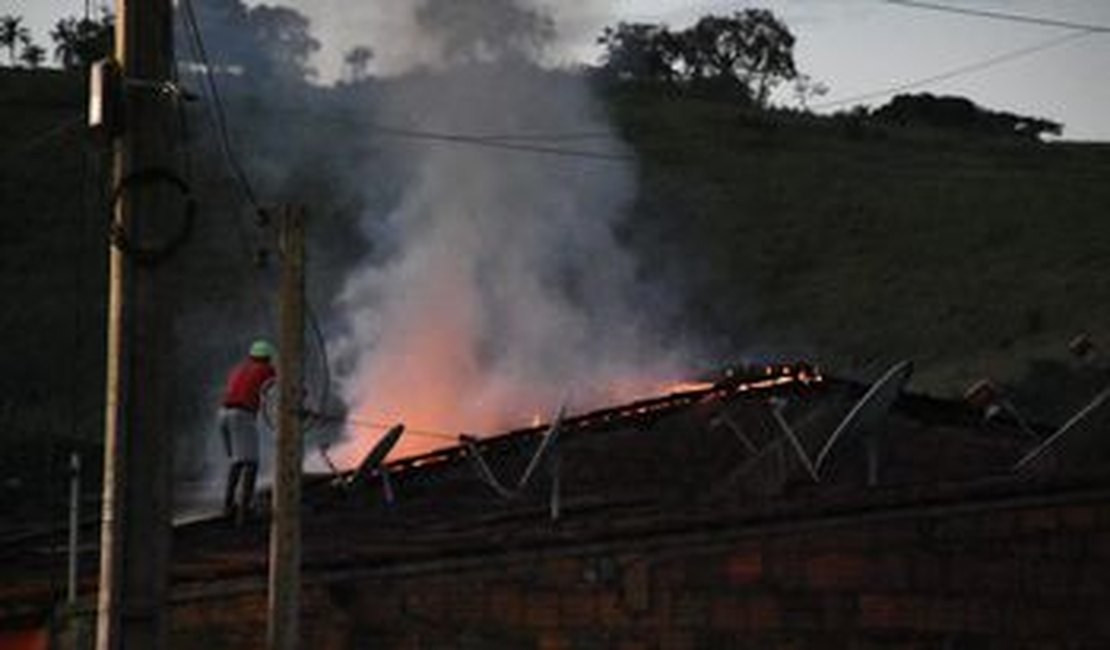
(356, 63)
(962, 114)
(12, 34)
(640, 52)
(744, 55)
(751, 48)
(283, 36)
(33, 55)
(78, 43)
(263, 42)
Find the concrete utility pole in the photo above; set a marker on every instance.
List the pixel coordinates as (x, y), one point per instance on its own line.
(137, 462)
(285, 527)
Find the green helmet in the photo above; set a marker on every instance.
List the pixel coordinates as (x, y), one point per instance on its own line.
(262, 349)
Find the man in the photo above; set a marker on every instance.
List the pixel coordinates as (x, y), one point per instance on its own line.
(239, 426)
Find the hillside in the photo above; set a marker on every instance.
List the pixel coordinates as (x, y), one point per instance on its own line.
(52, 275)
(784, 236)
(857, 245)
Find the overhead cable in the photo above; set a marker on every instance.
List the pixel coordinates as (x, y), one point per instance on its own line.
(511, 142)
(219, 113)
(998, 15)
(961, 71)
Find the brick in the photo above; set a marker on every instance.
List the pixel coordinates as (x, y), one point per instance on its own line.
(744, 569)
(836, 571)
(887, 571)
(927, 574)
(801, 612)
(689, 610)
(1070, 545)
(563, 572)
(550, 640)
(379, 608)
(541, 609)
(674, 640)
(991, 577)
(887, 612)
(578, 609)
(1100, 545)
(981, 616)
(609, 610)
(943, 615)
(725, 613)
(762, 613)
(636, 587)
(466, 606)
(1039, 520)
(839, 612)
(506, 605)
(1079, 517)
(785, 571)
(1000, 525)
(671, 574)
(704, 573)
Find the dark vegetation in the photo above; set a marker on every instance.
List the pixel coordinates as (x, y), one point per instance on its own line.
(741, 57)
(929, 228)
(960, 114)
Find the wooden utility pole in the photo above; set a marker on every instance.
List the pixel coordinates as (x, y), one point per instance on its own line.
(134, 544)
(285, 527)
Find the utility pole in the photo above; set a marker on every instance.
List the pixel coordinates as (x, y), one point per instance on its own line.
(135, 529)
(285, 526)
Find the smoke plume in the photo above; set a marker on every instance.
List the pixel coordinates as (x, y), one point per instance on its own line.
(504, 291)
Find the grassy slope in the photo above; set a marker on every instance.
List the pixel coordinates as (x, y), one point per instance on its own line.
(860, 246)
(52, 270)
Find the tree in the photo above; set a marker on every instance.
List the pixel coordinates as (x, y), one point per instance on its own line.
(12, 34)
(744, 55)
(640, 52)
(750, 47)
(962, 114)
(264, 42)
(283, 37)
(356, 63)
(33, 55)
(78, 43)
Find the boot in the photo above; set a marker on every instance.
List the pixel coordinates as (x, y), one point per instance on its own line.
(233, 474)
(246, 494)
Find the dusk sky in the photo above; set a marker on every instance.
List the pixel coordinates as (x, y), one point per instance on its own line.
(856, 47)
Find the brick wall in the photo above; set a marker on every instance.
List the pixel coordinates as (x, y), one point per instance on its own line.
(1008, 577)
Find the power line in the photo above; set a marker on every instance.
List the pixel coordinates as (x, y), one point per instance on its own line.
(998, 15)
(504, 144)
(219, 113)
(958, 72)
(214, 109)
(509, 142)
(373, 424)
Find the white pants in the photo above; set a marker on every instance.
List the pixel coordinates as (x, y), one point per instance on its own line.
(239, 429)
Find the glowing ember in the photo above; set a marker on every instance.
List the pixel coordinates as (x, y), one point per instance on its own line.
(434, 425)
(436, 412)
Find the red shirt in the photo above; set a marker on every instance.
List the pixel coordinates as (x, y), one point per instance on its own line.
(244, 385)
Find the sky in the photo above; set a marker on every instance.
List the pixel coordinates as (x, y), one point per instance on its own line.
(857, 48)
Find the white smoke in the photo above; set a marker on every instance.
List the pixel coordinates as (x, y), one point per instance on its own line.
(507, 289)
